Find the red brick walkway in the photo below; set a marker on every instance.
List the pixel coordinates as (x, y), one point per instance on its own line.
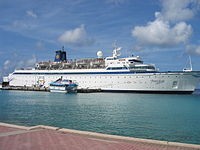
(6, 129)
(12, 138)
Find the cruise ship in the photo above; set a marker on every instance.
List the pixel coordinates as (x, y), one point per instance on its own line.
(114, 73)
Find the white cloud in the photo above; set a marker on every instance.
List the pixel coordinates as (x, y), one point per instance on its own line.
(193, 50)
(31, 62)
(6, 64)
(31, 13)
(160, 33)
(9, 66)
(40, 45)
(77, 36)
(116, 1)
(73, 36)
(179, 10)
(25, 63)
(20, 24)
(169, 27)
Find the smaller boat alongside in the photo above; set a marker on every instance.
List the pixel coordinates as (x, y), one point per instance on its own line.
(63, 86)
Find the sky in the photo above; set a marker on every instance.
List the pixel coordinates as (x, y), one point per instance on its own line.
(161, 32)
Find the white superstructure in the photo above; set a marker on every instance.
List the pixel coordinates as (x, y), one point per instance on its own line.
(109, 74)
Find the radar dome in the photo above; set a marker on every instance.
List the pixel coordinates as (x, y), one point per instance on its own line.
(99, 54)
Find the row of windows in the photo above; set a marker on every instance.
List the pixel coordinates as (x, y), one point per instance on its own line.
(142, 67)
(86, 77)
(117, 68)
(100, 83)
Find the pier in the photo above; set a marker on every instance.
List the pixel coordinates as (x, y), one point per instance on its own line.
(46, 89)
(24, 88)
(55, 138)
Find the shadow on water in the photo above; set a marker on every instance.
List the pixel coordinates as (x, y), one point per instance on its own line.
(154, 116)
(196, 92)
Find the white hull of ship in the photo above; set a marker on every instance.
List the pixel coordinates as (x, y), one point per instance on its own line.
(169, 82)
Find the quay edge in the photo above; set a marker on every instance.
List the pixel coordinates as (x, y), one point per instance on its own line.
(87, 90)
(101, 137)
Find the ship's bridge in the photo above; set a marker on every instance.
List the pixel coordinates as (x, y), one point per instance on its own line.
(133, 63)
(129, 61)
(114, 60)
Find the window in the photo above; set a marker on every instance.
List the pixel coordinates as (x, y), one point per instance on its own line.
(109, 59)
(117, 68)
(175, 84)
(135, 60)
(143, 67)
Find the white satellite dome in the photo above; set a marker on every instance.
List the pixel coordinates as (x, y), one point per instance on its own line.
(99, 54)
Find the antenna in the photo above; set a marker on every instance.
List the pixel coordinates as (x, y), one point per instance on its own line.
(114, 44)
(190, 63)
(116, 50)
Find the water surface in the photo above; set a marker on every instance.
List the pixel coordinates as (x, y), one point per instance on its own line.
(153, 116)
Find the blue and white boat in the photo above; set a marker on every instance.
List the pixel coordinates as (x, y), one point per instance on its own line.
(63, 86)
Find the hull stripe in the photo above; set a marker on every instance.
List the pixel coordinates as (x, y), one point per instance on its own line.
(195, 73)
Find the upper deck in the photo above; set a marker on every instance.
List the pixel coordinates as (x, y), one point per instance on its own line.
(133, 63)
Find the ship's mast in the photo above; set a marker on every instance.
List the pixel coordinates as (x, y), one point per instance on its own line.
(116, 50)
(190, 63)
(190, 66)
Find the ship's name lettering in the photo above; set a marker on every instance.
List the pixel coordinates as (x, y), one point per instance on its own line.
(158, 81)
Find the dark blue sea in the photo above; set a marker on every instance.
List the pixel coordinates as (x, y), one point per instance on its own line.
(151, 116)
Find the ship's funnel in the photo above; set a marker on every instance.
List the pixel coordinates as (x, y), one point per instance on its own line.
(63, 58)
(60, 56)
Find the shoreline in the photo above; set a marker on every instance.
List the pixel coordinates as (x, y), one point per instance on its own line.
(98, 136)
(86, 90)
(46, 89)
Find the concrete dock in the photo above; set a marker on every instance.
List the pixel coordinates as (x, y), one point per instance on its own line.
(46, 89)
(13, 137)
(24, 88)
